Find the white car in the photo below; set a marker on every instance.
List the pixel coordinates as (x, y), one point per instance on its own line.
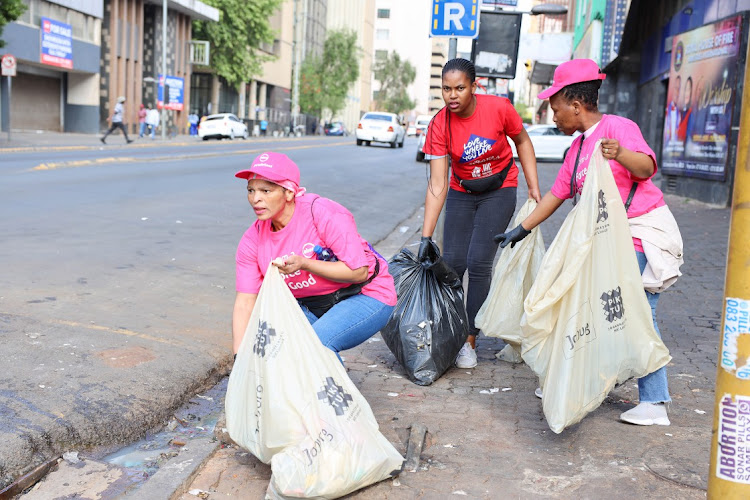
(222, 125)
(550, 143)
(420, 145)
(421, 123)
(380, 127)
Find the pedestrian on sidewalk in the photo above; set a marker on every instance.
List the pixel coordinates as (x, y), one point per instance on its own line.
(470, 135)
(141, 121)
(573, 99)
(117, 121)
(152, 119)
(341, 283)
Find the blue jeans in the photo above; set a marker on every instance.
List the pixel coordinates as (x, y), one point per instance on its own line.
(653, 387)
(350, 322)
(142, 129)
(471, 221)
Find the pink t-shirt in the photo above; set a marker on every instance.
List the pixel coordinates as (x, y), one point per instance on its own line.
(331, 227)
(647, 196)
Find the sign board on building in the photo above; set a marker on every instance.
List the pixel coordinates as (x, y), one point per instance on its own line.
(495, 51)
(8, 65)
(503, 3)
(173, 87)
(57, 43)
(700, 99)
(455, 18)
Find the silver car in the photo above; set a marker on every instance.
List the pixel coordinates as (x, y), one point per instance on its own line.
(380, 127)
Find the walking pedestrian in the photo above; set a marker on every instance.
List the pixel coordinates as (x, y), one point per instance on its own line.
(469, 137)
(573, 99)
(117, 121)
(341, 283)
(263, 127)
(193, 120)
(141, 121)
(152, 119)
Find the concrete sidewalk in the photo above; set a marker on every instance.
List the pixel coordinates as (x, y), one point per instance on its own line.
(485, 444)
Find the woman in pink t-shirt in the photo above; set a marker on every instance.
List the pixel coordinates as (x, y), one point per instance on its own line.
(340, 282)
(573, 99)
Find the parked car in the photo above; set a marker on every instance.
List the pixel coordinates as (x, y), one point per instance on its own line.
(335, 128)
(420, 145)
(222, 125)
(380, 127)
(550, 143)
(411, 130)
(421, 123)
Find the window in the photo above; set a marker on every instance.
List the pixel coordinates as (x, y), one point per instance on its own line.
(382, 34)
(381, 55)
(384, 13)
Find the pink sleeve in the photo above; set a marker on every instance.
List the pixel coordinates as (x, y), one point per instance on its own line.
(338, 231)
(435, 143)
(512, 124)
(561, 187)
(249, 275)
(630, 136)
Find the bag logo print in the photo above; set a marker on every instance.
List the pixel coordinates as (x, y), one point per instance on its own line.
(476, 147)
(335, 396)
(263, 338)
(603, 215)
(612, 304)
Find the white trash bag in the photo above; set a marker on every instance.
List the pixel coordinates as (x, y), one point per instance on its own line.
(291, 404)
(587, 323)
(515, 270)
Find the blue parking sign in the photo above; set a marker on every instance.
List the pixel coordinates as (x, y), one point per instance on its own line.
(455, 18)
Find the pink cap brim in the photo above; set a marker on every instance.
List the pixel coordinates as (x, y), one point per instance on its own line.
(546, 94)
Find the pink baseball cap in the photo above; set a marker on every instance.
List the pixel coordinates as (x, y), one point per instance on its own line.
(569, 72)
(276, 167)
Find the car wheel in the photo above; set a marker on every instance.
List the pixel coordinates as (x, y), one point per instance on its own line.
(205, 138)
(401, 144)
(420, 156)
(245, 135)
(394, 144)
(367, 143)
(359, 142)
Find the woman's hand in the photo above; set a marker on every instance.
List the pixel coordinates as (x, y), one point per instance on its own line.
(641, 165)
(291, 264)
(535, 194)
(611, 149)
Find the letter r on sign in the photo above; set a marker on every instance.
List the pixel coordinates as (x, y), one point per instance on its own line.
(452, 14)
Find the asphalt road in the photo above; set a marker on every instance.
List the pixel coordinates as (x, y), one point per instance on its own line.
(118, 273)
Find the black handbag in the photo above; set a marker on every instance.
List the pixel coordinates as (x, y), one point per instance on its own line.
(484, 184)
(320, 304)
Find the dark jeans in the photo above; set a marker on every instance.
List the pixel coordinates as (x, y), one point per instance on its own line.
(116, 125)
(471, 220)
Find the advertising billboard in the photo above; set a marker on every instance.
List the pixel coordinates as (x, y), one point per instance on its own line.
(57, 43)
(700, 98)
(173, 87)
(495, 50)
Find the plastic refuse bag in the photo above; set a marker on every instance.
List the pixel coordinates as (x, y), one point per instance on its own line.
(514, 273)
(429, 324)
(587, 323)
(290, 402)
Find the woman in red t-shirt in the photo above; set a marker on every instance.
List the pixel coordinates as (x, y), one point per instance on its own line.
(470, 135)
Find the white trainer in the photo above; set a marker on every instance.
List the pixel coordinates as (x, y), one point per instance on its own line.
(647, 414)
(467, 357)
(538, 392)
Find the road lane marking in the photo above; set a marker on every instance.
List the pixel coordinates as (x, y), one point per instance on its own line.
(114, 159)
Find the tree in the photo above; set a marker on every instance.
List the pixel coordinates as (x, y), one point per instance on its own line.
(394, 76)
(10, 10)
(325, 80)
(242, 27)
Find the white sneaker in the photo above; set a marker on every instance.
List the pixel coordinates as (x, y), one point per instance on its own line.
(467, 357)
(538, 392)
(646, 414)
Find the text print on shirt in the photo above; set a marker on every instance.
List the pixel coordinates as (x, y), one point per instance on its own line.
(476, 147)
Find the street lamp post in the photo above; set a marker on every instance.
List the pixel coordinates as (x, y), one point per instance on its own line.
(163, 68)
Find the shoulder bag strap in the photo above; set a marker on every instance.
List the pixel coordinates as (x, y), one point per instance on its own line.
(573, 186)
(630, 196)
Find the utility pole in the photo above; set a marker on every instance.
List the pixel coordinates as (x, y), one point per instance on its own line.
(164, 97)
(730, 461)
(296, 69)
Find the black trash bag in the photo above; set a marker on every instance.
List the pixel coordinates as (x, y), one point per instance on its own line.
(429, 324)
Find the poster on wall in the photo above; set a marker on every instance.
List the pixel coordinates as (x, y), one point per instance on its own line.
(173, 87)
(57, 43)
(700, 98)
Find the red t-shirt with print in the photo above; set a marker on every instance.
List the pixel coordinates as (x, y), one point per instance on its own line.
(478, 144)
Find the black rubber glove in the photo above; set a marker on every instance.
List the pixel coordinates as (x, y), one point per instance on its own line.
(513, 236)
(424, 248)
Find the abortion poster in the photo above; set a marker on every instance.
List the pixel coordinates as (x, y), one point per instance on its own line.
(700, 98)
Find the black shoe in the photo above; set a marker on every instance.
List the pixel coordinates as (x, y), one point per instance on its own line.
(103, 141)
(129, 140)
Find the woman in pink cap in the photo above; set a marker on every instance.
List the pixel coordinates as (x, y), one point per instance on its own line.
(573, 98)
(469, 138)
(341, 283)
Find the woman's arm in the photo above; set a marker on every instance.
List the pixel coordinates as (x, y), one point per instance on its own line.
(640, 165)
(243, 308)
(546, 207)
(334, 271)
(528, 162)
(437, 190)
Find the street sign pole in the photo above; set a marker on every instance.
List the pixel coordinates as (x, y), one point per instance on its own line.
(10, 80)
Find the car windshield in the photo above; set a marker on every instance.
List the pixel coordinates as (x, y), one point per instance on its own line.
(218, 117)
(373, 116)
